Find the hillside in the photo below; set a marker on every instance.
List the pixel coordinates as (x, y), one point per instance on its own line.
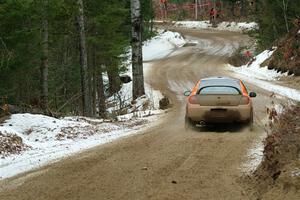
(287, 56)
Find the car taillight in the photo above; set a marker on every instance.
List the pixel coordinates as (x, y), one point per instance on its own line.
(245, 100)
(193, 99)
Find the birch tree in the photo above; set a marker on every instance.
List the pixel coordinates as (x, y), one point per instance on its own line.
(87, 107)
(196, 9)
(137, 54)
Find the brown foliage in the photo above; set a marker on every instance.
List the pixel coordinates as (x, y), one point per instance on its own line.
(287, 56)
(239, 58)
(164, 103)
(281, 151)
(282, 144)
(11, 144)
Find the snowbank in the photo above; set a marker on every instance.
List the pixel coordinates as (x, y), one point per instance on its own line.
(254, 155)
(162, 45)
(277, 89)
(49, 139)
(224, 26)
(263, 77)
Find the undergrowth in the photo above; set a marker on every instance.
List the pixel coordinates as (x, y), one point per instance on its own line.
(281, 151)
(283, 141)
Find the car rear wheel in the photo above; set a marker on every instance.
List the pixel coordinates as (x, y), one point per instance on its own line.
(251, 122)
(188, 124)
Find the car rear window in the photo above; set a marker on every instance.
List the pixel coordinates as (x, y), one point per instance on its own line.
(219, 90)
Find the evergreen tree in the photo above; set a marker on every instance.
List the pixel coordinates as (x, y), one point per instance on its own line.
(29, 28)
(275, 19)
(49, 61)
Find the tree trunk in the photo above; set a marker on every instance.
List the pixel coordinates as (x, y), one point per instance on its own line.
(87, 108)
(113, 79)
(94, 82)
(285, 6)
(152, 17)
(196, 9)
(233, 8)
(137, 54)
(243, 8)
(65, 66)
(45, 56)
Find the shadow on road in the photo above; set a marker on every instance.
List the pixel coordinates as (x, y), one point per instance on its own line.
(222, 128)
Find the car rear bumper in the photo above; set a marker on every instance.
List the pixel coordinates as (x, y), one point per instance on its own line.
(212, 114)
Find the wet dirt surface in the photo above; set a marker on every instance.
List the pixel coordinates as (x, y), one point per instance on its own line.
(165, 162)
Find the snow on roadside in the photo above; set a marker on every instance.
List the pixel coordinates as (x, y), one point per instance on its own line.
(254, 155)
(224, 26)
(266, 79)
(277, 89)
(162, 45)
(254, 69)
(295, 172)
(263, 77)
(50, 139)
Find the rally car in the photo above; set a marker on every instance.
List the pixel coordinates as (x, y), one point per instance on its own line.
(219, 100)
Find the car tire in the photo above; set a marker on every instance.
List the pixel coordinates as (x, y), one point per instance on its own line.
(188, 124)
(251, 122)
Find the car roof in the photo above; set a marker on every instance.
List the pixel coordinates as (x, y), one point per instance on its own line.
(220, 81)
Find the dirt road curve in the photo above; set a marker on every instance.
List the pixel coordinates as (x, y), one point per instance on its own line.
(165, 162)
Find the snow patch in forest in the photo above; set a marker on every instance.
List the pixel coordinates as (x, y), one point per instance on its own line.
(263, 77)
(123, 99)
(224, 26)
(158, 47)
(162, 45)
(50, 139)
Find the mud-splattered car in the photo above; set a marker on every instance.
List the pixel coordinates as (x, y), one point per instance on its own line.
(219, 100)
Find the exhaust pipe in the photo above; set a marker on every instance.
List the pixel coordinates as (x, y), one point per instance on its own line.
(202, 123)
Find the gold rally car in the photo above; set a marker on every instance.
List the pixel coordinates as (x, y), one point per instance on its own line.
(219, 100)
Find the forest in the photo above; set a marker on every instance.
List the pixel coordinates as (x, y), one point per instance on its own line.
(40, 52)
